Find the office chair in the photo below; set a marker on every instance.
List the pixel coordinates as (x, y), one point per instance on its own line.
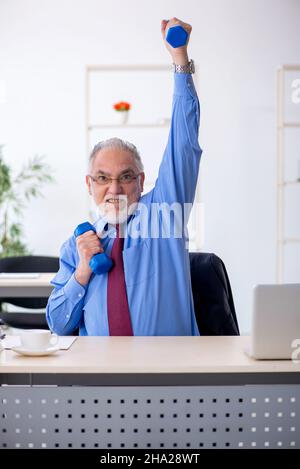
(27, 320)
(213, 300)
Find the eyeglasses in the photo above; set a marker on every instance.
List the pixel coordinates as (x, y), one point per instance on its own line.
(125, 178)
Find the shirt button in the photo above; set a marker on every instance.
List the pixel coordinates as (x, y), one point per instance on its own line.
(80, 295)
(67, 316)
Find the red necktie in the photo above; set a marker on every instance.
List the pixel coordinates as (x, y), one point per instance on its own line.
(117, 305)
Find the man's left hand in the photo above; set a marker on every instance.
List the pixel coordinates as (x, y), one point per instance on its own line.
(179, 54)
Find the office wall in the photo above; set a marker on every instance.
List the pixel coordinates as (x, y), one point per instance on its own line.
(237, 46)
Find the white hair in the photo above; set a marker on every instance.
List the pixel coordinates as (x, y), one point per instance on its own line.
(118, 144)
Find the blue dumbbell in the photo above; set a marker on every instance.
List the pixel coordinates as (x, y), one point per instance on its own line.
(100, 263)
(176, 36)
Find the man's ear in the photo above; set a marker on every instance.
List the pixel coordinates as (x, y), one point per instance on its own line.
(142, 180)
(88, 183)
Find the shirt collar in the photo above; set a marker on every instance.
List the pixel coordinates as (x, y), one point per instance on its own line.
(101, 224)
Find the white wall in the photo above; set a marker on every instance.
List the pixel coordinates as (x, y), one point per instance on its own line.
(237, 45)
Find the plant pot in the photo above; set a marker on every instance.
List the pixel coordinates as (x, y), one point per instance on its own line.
(122, 117)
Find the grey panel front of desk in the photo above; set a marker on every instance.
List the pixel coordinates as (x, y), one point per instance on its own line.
(170, 417)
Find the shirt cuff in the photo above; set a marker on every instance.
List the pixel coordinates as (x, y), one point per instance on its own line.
(184, 85)
(73, 290)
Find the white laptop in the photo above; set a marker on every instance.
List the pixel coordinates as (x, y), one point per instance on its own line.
(276, 321)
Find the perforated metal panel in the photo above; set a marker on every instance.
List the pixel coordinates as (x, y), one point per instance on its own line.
(150, 417)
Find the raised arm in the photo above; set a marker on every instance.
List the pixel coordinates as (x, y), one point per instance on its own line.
(178, 172)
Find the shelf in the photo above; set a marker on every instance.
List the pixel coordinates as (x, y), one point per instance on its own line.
(128, 68)
(288, 124)
(288, 240)
(106, 126)
(290, 68)
(289, 183)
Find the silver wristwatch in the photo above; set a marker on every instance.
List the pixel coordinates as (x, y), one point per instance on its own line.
(189, 68)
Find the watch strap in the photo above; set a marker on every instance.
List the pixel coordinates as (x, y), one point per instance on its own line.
(189, 68)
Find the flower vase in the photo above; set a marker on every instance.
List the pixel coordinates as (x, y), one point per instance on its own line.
(123, 117)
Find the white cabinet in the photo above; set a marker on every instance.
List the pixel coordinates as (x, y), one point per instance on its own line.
(288, 173)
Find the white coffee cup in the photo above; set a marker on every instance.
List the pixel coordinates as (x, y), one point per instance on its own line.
(38, 339)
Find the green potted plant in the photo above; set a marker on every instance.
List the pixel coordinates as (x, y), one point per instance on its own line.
(15, 192)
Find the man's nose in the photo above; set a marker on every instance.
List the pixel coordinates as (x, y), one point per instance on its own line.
(115, 187)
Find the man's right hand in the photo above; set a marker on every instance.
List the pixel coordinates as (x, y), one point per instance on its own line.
(88, 244)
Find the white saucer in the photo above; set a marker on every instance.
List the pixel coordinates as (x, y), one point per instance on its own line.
(35, 353)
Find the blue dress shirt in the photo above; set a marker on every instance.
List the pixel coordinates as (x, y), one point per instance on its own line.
(157, 269)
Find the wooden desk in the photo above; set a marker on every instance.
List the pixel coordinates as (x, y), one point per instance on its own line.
(26, 287)
(150, 392)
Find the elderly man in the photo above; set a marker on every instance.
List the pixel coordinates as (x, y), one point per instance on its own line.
(148, 289)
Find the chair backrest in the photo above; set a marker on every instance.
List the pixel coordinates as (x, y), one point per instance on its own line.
(27, 320)
(213, 300)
